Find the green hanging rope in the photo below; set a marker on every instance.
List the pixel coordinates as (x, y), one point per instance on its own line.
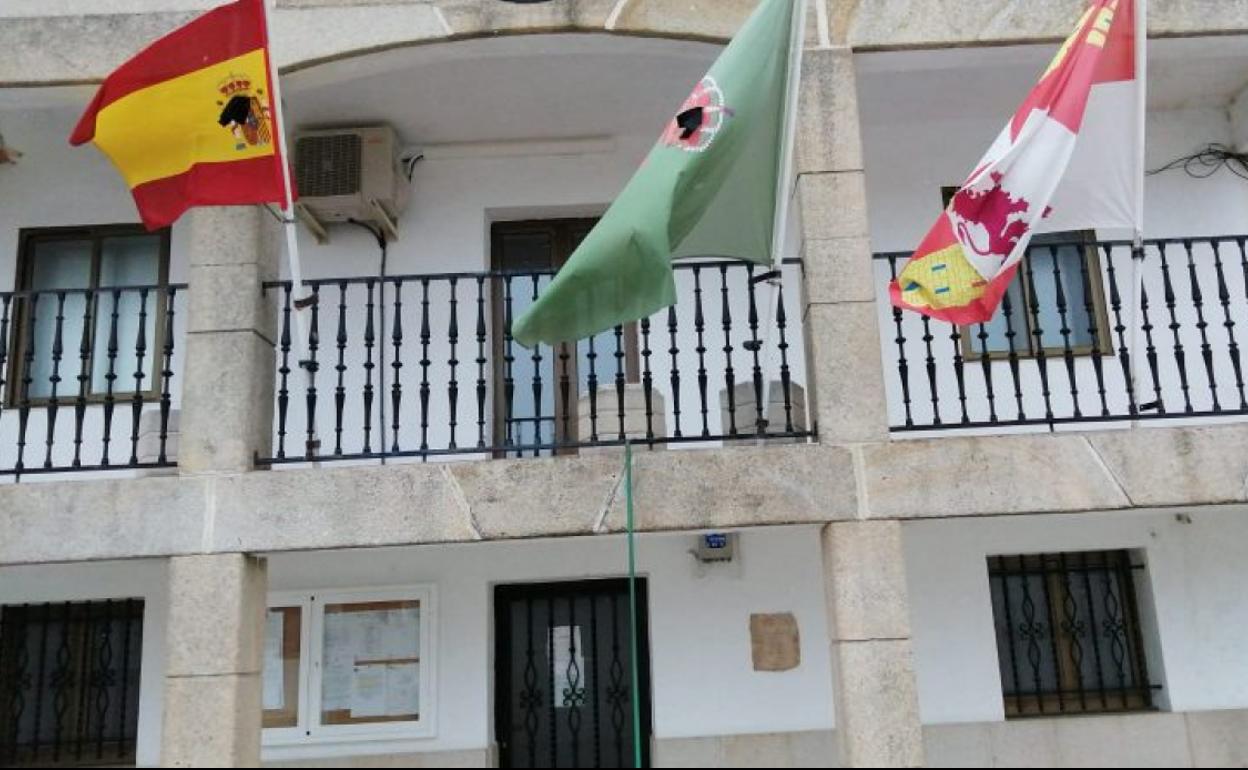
(632, 604)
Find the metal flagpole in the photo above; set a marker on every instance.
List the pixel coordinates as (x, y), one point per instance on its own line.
(784, 190)
(634, 642)
(301, 302)
(1137, 246)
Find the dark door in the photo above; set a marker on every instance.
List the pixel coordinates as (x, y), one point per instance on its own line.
(564, 679)
(536, 391)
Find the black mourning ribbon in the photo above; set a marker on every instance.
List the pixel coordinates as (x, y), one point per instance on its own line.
(690, 121)
(237, 110)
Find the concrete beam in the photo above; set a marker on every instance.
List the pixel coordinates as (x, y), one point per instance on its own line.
(891, 24)
(353, 507)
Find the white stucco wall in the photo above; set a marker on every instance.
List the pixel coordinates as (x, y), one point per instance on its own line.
(1192, 589)
(701, 676)
(1239, 120)
(114, 580)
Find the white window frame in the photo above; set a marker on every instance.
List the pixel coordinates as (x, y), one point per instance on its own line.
(309, 731)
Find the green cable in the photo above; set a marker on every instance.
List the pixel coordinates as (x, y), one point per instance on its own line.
(632, 603)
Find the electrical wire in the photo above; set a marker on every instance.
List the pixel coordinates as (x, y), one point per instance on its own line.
(1209, 161)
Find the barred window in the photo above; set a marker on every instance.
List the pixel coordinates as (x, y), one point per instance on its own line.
(69, 683)
(1068, 633)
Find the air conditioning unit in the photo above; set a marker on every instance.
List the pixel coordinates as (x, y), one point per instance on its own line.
(350, 173)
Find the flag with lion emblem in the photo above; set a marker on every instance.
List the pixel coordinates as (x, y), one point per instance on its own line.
(1071, 158)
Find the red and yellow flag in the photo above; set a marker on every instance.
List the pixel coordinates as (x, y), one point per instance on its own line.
(190, 121)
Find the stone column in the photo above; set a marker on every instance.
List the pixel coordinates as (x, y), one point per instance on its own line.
(877, 705)
(214, 641)
(842, 334)
(227, 393)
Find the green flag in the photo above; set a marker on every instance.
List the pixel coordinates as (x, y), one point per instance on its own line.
(708, 188)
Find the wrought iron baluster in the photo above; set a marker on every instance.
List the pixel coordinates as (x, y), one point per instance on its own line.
(903, 365)
(1074, 628)
(1017, 682)
(24, 405)
(730, 381)
(85, 673)
(424, 367)
(1068, 353)
(312, 365)
(674, 351)
(933, 390)
(647, 379)
(111, 376)
(959, 371)
(574, 696)
(481, 361)
(22, 682)
(1180, 356)
(1114, 630)
(1032, 631)
(6, 301)
(618, 690)
(536, 357)
(103, 676)
(550, 671)
(619, 378)
(84, 376)
(370, 339)
(985, 365)
(754, 346)
(1054, 624)
(1198, 300)
(1150, 352)
(62, 682)
(1093, 629)
(565, 392)
(1224, 298)
(452, 386)
(166, 375)
(127, 625)
(283, 372)
(531, 695)
(509, 360)
(340, 389)
(140, 357)
(699, 326)
(396, 387)
(58, 351)
(1037, 333)
(595, 686)
(1089, 307)
(1120, 329)
(1007, 311)
(786, 378)
(591, 356)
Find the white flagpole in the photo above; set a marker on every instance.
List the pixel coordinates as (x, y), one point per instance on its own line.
(300, 302)
(1137, 246)
(784, 191)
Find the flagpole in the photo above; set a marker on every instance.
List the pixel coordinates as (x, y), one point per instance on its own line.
(1137, 246)
(301, 301)
(784, 184)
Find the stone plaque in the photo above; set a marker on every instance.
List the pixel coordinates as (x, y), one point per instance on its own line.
(775, 642)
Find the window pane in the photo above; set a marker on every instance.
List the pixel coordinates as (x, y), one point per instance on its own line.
(1010, 316)
(371, 663)
(57, 265)
(1061, 266)
(281, 666)
(131, 260)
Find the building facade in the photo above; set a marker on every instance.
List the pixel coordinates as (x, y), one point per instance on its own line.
(862, 538)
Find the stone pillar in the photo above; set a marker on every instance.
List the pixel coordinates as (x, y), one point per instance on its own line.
(227, 394)
(214, 641)
(877, 705)
(843, 362)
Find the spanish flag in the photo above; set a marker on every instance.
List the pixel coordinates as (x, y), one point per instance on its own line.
(190, 121)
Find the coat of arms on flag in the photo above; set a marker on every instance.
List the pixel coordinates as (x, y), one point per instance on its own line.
(1070, 158)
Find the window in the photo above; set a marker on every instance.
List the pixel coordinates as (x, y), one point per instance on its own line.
(69, 683)
(1068, 633)
(348, 665)
(83, 290)
(1058, 287)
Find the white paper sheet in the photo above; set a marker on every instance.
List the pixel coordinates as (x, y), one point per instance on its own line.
(368, 691)
(402, 689)
(274, 676)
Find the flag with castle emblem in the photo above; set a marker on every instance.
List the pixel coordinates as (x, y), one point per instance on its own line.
(709, 187)
(190, 120)
(1071, 158)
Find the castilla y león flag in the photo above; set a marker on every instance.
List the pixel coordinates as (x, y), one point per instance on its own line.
(190, 120)
(1070, 158)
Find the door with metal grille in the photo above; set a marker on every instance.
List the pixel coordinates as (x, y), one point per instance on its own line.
(69, 683)
(563, 675)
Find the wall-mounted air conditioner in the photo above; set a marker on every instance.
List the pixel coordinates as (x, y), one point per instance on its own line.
(350, 173)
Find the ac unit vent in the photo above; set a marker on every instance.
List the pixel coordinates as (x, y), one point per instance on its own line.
(328, 165)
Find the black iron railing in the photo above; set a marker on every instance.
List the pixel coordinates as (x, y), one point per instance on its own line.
(79, 369)
(1061, 347)
(69, 683)
(425, 365)
(1068, 631)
